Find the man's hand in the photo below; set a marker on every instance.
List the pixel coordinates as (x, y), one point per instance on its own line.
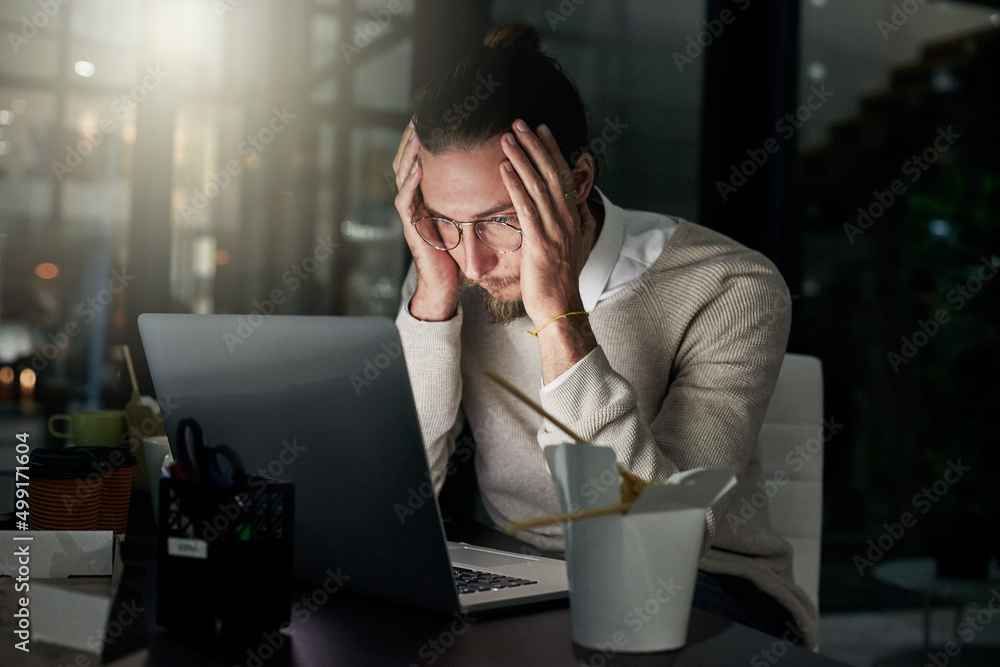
(558, 234)
(439, 279)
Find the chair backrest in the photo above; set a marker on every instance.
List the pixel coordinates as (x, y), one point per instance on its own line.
(791, 442)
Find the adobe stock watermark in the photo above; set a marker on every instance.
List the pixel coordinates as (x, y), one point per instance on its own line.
(123, 106)
(455, 115)
(923, 501)
(254, 144)
(635, 619)
(770, 655)
(236, 510)
(417, 497)
(786, 126)
(433, 649)
(294, 276)
(973, 623)
(462, 110)
(901, 14)
(365, 33)
(223, 7)
(958, 296)
(373, 366)
(796, 459)
(697, 44)
(565, 9)
(37, 21)
(87, 311)
(914, 168)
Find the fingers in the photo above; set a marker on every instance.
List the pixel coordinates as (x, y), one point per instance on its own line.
(406, 154)
(564, 169)
(527, 212)
(540, 171)
(407, 131)
(543, 153)
(408, 197)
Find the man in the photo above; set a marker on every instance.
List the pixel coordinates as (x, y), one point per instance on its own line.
(653, 336)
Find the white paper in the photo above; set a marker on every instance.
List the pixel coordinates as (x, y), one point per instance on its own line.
(56, 554)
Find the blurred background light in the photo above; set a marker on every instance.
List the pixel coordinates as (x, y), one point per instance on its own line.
(939, 228)
(84, 68)
(47, 271)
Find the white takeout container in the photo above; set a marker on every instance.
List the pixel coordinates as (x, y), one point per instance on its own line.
(632, 577)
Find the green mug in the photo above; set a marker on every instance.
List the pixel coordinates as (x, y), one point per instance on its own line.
(91, 428)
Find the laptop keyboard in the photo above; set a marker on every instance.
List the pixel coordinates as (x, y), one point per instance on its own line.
(475, 581)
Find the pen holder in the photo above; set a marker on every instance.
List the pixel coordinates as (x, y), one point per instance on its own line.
(225, 556)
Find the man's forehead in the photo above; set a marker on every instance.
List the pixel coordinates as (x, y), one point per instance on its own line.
(464, 184)
(477, 214)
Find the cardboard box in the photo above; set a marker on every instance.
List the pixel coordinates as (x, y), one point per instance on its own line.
(67, 578)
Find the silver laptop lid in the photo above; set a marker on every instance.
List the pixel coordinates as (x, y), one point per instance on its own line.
(324, 402)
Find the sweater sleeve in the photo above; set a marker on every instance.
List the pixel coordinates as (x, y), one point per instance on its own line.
(432, 354)
(735, 328)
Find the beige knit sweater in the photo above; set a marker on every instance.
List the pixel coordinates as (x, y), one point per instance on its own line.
(688, 356)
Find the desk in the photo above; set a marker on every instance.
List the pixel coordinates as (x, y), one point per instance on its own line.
(356, 631)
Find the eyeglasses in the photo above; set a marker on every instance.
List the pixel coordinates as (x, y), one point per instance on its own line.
(496, 233)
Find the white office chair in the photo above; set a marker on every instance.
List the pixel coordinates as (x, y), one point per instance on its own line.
(791, 439)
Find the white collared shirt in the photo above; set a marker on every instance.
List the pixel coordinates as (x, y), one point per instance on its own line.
(628, 245)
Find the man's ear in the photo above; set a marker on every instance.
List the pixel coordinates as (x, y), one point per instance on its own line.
(584, 175)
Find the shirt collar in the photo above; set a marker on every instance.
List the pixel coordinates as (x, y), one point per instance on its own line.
(597, 270)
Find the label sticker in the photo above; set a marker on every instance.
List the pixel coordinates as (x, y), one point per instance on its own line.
(187, 547)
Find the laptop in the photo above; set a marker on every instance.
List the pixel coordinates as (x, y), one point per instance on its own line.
(326, 403)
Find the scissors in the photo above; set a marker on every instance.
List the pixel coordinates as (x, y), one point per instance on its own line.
(218, 465)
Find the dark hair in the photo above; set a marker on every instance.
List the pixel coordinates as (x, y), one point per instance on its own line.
(509, 77)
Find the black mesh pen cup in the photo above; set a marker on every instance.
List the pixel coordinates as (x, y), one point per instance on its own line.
(225, 556)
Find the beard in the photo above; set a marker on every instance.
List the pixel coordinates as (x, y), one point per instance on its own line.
(500, 311)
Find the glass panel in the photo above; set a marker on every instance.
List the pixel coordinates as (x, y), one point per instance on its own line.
(373, 230)
(644, 104)
(94, 162)
(27, 141)
(84, 138)
(899, 178)
(383, 81)
(209, 172)
(29, 51)
(104, 35)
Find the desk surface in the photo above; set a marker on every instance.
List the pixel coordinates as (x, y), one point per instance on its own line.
(356, 631)
(349, 630)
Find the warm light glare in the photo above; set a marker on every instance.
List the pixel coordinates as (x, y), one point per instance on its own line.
(18, 106)
(222, 257)
(84, 68)
(47, 271)
(27, 381)
(6, 375)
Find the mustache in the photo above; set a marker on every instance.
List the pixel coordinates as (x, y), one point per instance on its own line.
(492, 282)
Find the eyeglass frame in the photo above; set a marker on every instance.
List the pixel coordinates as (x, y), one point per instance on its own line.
(459, 225)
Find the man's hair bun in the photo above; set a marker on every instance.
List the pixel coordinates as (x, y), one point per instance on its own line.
(513, 37)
